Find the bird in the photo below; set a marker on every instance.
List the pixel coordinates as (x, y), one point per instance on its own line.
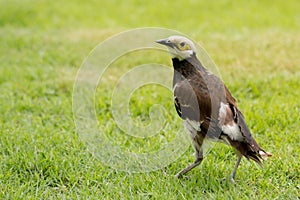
(206, 106)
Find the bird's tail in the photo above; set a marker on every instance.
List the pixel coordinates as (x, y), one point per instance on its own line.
(257, 157)
(256, 154)
(251, 150)
(264, 155)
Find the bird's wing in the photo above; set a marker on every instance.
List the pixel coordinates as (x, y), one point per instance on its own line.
(232, 121)
(234, 126)
(177, 106)
(185, 101)
(193, 104)
(229, 98)
(235, 117)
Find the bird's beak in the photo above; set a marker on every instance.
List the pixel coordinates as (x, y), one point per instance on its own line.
(165, 42)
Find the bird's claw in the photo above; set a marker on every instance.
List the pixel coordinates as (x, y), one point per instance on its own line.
(232, 178)
(181, 176)
(178, 175)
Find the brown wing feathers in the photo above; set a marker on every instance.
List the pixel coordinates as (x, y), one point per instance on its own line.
(249, 147)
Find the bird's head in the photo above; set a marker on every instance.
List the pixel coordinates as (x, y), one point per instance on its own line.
(179, 47)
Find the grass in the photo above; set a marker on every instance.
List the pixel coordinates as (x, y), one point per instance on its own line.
(43, 43)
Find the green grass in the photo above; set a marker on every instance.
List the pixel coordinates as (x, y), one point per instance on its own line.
(43, 43)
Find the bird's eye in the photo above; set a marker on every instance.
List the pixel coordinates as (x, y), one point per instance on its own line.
(182, 44)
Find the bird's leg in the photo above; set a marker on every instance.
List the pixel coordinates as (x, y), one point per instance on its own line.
(197, 140)
(235, 168)
(199, 158)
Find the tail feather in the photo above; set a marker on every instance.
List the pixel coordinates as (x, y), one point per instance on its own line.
(264, 155)
(253, 152)
(253, 156)
(257, 156)
(249, 148)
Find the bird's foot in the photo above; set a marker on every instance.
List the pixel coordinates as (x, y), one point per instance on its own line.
(188, 168)
(178, 175)
(181, 176)
(232, 178)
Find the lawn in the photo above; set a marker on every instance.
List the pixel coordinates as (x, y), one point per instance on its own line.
(255, 45)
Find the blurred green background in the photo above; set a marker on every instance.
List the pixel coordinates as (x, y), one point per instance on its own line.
(255, 44)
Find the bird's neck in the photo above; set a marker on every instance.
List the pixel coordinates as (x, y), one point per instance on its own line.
(187, 67)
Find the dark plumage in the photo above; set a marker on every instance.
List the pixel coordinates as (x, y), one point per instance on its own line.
(205, 104)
